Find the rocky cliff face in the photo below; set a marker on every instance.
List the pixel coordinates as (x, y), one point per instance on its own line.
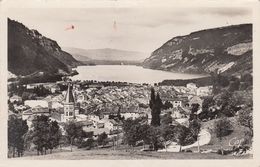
(225, 49)
(30, 52)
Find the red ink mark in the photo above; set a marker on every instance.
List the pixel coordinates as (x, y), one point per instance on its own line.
(71, 27)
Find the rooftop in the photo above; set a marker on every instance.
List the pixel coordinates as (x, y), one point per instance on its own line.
(69, 95)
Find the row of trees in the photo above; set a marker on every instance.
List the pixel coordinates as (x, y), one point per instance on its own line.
(156, 137)
(17, 129)
(233, 83)
(44, 134)
(41, 91)
(225, 104)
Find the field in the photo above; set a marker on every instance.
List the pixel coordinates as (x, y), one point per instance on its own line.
(108, 154)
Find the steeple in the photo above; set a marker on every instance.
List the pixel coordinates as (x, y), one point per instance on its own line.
(69, 95)
(69, 105)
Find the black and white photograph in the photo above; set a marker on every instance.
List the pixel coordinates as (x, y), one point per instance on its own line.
(130, 83)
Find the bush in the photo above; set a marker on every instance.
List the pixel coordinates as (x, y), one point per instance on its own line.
(222, 128)
(188, 151)
(88, 144)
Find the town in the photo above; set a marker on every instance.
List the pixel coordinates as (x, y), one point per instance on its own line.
(101, 110)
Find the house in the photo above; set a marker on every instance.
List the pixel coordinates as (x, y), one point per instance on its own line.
(132, 115)
(34, 103)
(177, 103)
(86, 124)
(81, 117)
(178, 113)
(15, 98)
(31, 86)
(55, 116)
(82, 97)
(55, 88)
(96, 131)
(56, 105)
(20, 107)
(38, 110)
(191, 86)
(204, 91)
(196, 100)
(110, 124)
(93, 117)
(100, 125)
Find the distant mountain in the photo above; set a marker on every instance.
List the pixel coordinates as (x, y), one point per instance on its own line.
(30, 53)
(225, 49)
(105, 55)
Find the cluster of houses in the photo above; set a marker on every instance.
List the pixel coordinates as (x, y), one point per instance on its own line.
(78, 105)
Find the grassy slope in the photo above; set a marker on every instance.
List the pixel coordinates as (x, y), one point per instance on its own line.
(238, 132)
(123, 154)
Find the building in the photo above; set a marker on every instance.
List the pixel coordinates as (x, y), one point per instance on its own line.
(34, 103)
(191, 86)
(81, 97)
(38, 110)
(55, 88)
(69, 106)
(196, 100)
(15, 98)
(177, 103)
(204, 91)
(131, 114)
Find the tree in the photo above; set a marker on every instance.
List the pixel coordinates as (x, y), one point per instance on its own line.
(166, 119)
(234, 85)
(183, 136)
(133, 135)
(88, 143)
(194, 109)
(222, 127)
(11, 107)
(219, 81)
(17, 129)
(194, 127)
(102, 139)
(247, 79)
(153, 136)
(143, 131)
(41, 91)
(28, 96)
(168, 134)
(73, 131)
(156, 105)
(228, 104)
(167, 105)
(40, 133)
(245, 118)
(54, 135)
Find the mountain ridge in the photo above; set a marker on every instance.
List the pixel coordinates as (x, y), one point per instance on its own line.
(106, 54)
(30, 52)
(223, 49)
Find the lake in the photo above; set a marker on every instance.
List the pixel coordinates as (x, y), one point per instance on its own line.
(127, 73)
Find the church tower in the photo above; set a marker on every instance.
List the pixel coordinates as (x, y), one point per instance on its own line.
(69, 105)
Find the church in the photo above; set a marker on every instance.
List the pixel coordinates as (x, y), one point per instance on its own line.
(70, 109)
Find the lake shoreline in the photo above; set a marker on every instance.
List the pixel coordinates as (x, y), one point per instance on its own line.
(129, 74)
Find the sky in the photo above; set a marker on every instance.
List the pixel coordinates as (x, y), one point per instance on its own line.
(135, 29)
